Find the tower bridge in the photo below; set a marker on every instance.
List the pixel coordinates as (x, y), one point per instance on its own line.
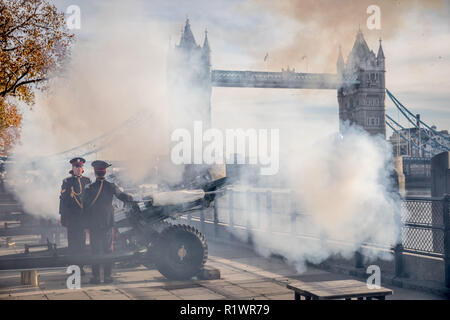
(360, 82)
(285, 79)
(360, 85)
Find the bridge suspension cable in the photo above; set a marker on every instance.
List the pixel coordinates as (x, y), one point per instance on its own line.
(406, 139)
(403, 137)
(406, 109)
(408, 115)
(106, 138)
(413, 135)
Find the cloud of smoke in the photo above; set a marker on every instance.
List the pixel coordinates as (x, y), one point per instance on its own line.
(342, 192)
(342, 186)
(319, 26)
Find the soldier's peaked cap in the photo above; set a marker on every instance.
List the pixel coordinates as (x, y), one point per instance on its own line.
(100, 165)
(77, 161)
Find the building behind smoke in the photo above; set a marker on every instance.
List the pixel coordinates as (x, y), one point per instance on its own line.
(363, 104)
(360, 103)
(189, 80)
(415, 142)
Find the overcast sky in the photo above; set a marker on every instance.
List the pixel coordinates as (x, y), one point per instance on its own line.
(416, 43)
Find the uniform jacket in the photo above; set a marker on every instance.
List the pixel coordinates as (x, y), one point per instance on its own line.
(71, 200)
(98, 203)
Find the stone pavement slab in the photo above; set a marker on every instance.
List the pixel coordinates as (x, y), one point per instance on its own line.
(231, 291)
(75, 295)
(27, 297)
(244, 275)
(265, 287)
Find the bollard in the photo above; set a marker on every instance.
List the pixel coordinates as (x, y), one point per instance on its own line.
(359, 259)
(398, 260)
(440, 187)
(447, 240)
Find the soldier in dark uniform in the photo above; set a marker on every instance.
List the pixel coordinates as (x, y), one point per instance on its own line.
(71, 207)
(100, 215)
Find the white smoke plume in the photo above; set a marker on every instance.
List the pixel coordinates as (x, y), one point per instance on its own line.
(342, 190)
(117, 70)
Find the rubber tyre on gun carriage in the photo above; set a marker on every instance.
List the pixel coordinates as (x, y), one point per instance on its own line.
(180, 252)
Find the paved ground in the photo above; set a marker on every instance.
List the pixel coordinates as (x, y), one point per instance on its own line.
(244, 275)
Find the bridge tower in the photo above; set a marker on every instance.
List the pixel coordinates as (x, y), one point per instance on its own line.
(363, 103)
(189, 81)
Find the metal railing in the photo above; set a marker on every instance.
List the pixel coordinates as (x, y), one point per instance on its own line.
(423, 225)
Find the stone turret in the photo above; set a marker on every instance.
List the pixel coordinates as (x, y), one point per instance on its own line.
(189, 80)
(187, 41)
(206, 49)
(380, 57)
(363, 104)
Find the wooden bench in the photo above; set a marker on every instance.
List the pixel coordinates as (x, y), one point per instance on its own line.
(337, 289)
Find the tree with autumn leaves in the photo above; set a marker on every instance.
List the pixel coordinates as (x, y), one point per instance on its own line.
(34, 44)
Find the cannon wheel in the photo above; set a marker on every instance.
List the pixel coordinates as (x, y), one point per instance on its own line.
(148, 260)
(181, 252)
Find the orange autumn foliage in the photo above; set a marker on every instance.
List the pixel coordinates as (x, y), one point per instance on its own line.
(34, 43)
(10, 120)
